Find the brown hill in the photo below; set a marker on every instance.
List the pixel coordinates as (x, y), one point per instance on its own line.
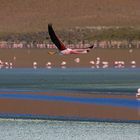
(34, 15)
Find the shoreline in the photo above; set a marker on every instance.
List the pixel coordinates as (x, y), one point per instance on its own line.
(68, 111)
(42, 58)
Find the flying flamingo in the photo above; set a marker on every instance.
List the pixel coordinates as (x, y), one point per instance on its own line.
(61, 47)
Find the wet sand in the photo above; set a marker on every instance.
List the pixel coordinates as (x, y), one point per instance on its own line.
(69, 110)
(63, 110)
(26, 57)
(82, 95)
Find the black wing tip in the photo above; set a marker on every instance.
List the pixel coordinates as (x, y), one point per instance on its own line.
(91, 47)
(54, 38)
(50, 25)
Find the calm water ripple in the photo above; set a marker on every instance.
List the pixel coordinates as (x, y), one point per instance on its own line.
(72, 80)
(65, 130)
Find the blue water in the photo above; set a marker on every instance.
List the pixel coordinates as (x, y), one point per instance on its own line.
(85, 80)
(131, 103)
(78, 80)
(117, 81)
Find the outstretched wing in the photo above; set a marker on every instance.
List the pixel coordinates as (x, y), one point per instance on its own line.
(55, 39)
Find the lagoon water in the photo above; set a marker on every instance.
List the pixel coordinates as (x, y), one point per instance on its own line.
(67, 130)
(71, 80)
(99, 81)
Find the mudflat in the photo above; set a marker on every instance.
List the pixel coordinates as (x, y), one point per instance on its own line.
(26, 57)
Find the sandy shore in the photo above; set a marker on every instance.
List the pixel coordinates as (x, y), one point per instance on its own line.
(26, 57)
(20, 108)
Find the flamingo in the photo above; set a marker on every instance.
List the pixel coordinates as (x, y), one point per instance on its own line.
(61, 47)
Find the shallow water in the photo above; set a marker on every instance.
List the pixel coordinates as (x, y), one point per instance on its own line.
(67, 130)
(71, 80)
(102, 81)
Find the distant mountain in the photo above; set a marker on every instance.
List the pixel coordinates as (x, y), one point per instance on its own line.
(34, 15)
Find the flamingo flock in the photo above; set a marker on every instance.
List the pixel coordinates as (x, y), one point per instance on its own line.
(6, 65)
(97, 63)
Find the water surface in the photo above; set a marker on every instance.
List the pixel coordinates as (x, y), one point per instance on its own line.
(71, 80)
(67, 130)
